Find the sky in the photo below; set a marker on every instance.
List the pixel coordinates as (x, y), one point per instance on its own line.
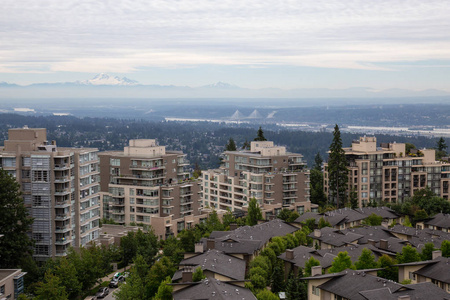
(256, 44)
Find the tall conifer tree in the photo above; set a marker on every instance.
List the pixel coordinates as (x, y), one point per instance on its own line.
(337, 169)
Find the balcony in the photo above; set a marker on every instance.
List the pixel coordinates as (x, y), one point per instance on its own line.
(62, 179)
(146, 168)
(62, 216)
(62, 204)
(63, 240)
(62, 229)
(62, 192)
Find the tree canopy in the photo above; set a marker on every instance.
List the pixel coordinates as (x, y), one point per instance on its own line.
(15, 222)
(254, 212)
(341, 262)
(337, 169)
(260, 135)
(231, 145)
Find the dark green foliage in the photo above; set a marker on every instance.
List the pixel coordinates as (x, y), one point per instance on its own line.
(296, 289)
(173, 248)
(373, 220)
(15, 222)
(231, 145)
(197, 171)
(288, 215)
(389, 271)
(445, 248)
(277, 283)
(341, 262)
(408, 254)
(311, 262)
(419, 215)
(260, 135)
(258, 281)
(310, 224)
(323, 223)
(164, 290)
(353, 199)
(316, 185)
(337, 170)
(407, 222)
(427, 251)
(408, 147)
(254, 213)
(157, 273)
(441, 145)
(51, 288)
(134, 243)
(318, 162)
(366, 260)
(198, 275)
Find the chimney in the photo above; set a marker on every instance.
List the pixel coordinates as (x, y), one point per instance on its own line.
(210, 244)
(371, 242)
(385, 224)
(404, 297)
(233, 226)
(436, 254)
(199, 248)
(289, 254)
(316, 270)
(317, 233)
(53, 142)
(186, 274)
(383, 244)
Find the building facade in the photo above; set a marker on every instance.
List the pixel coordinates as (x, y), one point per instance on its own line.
(60, 187)
(276, 178)
(146, 184)
(388, 174)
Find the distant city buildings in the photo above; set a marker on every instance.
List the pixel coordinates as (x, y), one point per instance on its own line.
(389, 174)
(60, 187)
(274, 177)
(145, 184)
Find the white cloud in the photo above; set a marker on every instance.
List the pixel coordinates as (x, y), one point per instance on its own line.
(122, 36)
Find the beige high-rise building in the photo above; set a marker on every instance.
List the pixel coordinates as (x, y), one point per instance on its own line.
(388, 174)
(60, 188)
(276, 178)
(146, 184)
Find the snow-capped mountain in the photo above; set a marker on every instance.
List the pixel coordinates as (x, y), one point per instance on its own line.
(221, 85)
(105, 79)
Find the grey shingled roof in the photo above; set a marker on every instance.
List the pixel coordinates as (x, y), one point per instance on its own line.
(213, 289)
(335, 237)
(236, 246)
(216, 262)
(375, 233)
(384, 212)
(425, 290)
(353, 282)
(440, 270)
(439, 220)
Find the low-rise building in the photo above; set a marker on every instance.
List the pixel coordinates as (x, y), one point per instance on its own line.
(11, 283)
(438, 222)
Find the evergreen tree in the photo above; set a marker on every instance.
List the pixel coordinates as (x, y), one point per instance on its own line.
(341, 262)
(316, 185)
(231, 146)
(407, 222)
(366, 260)
(353, 199)
(337, 169)
(277, 284)
(318, 162)
(260, 135)
(323, 223)
(197, 171)
(15, 222)
(441, 145)
(246, 145)
(427, 251)
(254, 213)
(295, 288)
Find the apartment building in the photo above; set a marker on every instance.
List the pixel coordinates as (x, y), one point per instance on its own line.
(60, 188)
(146, 184)
(276, 178)
(387, 173)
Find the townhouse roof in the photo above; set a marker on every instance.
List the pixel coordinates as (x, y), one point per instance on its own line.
(439, 270)
(425, 290)
(375, 233)
(213, 289)
(217, 262)
(335, 237)
(235, 246)
(326, 256)
(394, 245)
(440, 220)
(384, 212)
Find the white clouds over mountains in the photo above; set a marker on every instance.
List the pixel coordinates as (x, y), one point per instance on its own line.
(125, 36)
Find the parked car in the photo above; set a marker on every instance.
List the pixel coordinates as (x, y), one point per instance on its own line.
(102, 292)
(116, 281)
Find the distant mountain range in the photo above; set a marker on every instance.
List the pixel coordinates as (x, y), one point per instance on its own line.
(106, 86)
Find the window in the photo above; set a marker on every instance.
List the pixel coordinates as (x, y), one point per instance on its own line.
(114, 162)
(412, 276)
(315, 290)
(300, 210)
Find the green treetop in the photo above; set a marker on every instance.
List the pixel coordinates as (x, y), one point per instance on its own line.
(260, 135)
(337, 169)
(341, 262)
(231, 146)
(254, 212)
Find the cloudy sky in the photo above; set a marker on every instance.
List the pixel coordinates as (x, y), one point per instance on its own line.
(265, 43)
